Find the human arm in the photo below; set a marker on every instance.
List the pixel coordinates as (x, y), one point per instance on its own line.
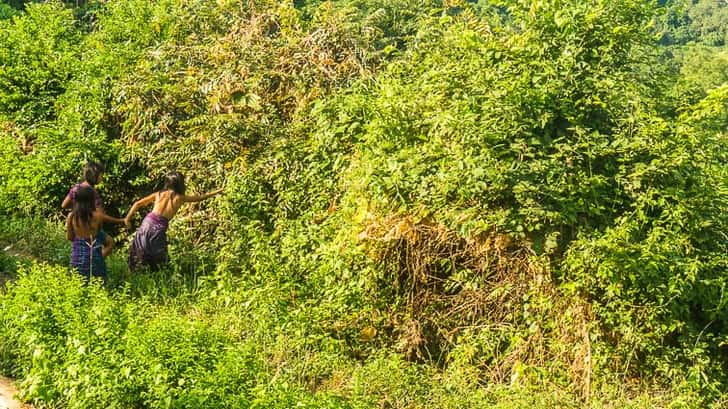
(69, 228)
(68, 200)
(135, 207)
(108, 245)
(199, 198)
(109, 219)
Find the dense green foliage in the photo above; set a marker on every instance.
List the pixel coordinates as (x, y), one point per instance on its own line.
(159, 343)
(701, 21)
(428, 204)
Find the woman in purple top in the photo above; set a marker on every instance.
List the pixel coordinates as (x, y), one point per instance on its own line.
(92, 173)
(91, 177)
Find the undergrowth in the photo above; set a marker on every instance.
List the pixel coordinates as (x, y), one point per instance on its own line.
(159, 342)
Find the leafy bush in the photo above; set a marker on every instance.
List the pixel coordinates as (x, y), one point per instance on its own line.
(668, 255)
(76, 344)
(38, 51)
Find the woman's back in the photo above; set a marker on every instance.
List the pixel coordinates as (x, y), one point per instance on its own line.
(88, 230)
(167, 203)
(89, 243)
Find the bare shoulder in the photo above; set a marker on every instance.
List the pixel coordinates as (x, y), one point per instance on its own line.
(97, 219)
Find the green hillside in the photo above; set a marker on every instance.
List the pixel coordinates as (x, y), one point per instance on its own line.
(428, 204)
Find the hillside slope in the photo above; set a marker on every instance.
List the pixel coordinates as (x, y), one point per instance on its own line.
(427, 204)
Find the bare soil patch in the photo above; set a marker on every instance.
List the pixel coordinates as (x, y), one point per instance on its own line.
(7, 393)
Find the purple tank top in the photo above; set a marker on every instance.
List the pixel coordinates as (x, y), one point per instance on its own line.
(97, 198)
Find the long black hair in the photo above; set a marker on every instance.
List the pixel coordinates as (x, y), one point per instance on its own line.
(175, 181)
(92, 172)
(84, 206)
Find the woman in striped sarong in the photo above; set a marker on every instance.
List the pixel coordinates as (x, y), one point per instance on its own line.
(89, 244)
(149, 247)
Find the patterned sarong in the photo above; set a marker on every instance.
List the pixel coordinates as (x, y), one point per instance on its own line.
(149, 247)
(86, 256)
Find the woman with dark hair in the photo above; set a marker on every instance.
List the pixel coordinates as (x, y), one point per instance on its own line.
(91, 177)
(149, 246)
(90, 245)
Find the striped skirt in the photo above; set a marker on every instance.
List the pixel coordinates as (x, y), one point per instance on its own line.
(86, 257)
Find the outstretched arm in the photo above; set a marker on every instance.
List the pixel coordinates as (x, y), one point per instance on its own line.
(139, 203)
(199, 198)
(109, 219)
